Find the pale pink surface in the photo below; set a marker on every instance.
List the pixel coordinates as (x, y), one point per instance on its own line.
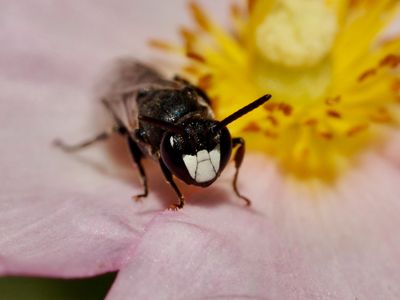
(68, 216)
(392, 149)
(62, 215)
(342, 245)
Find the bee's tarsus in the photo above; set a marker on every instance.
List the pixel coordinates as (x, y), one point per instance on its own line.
(72, 148)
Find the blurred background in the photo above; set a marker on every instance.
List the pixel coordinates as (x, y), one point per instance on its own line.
(42, 288)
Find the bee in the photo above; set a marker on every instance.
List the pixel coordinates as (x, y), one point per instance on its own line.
(170, 121)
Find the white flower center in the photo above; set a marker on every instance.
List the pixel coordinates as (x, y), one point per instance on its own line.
(297, 33)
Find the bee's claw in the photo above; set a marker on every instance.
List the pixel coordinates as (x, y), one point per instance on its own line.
(60, 144)
(246, 200)
(138, 198)
(175, 206)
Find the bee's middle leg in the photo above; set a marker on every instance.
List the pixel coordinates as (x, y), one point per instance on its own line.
(137, 156)
(72, 148)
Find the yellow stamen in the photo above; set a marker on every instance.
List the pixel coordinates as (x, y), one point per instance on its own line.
(333, 85)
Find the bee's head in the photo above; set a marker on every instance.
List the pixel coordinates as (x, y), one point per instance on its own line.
(197, 150)
(199, 153)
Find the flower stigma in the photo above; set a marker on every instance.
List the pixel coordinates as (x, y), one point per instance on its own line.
(335, 83)
(296, 33)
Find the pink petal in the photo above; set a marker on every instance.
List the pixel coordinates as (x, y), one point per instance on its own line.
(339, 244)
(391, 148)
(59, 215)
(182, 257)
(63, 215)
(69, 215)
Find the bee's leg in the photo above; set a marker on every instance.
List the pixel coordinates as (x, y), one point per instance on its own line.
(238, 158)
(168, 177)
(117, 128)
(71, 148)
(137, 156)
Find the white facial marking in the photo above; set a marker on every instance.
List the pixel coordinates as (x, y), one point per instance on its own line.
(203, 166)
(215, 156)
(202, 155)
(171, 141)
(205, 171)
(191, 164)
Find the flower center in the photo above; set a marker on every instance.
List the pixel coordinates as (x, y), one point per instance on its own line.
(333, 87)
(293, 42)
(296, 33)
(312, 126)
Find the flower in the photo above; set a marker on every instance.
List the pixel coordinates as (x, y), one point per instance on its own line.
(333, 86)
(71, 216)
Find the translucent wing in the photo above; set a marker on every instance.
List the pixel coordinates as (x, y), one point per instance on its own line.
(120, 86)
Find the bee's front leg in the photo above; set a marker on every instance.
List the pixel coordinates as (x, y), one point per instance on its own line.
(169, 178)
(238, 158)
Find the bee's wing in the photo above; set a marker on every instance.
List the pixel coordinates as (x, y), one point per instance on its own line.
(120, 86)
(123, 111)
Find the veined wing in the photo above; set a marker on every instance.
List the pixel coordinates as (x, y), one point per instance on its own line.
(122, 84)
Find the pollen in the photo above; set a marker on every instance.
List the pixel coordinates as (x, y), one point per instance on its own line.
(296, 32)
(335, 82)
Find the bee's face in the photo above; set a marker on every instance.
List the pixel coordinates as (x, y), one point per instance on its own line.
(198, 156)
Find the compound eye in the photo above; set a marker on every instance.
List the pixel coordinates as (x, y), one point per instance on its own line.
(171, 141)
(172, 157)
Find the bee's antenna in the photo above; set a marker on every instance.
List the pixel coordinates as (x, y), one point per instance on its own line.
(244, 110)
(162, 124)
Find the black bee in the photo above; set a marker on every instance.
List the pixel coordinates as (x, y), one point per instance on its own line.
(172, 122)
